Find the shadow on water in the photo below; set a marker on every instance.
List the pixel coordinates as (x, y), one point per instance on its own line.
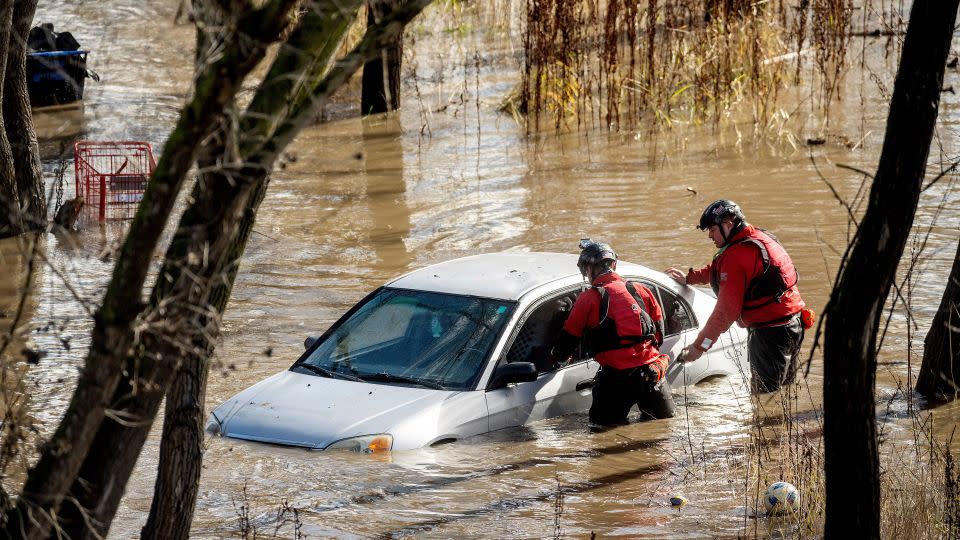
(386, 189)
(516, 503)
(673, 466)
(57, 129)
(441, 482)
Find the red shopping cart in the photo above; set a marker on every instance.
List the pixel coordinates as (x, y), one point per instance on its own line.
(112, 176)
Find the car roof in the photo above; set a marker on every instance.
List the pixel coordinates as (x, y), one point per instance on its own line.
(506, 275)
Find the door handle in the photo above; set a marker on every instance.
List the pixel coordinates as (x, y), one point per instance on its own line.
(584, 385)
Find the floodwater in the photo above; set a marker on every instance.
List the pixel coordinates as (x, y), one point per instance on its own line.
(365, 200)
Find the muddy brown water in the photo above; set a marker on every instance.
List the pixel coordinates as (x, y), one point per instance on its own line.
(365, 200)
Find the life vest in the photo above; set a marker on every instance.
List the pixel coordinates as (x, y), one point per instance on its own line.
(623, 323)
(777, 277)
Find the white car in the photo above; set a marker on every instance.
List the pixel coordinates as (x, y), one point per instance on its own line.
(454, 350)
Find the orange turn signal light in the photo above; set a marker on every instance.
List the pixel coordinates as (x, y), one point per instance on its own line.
(380, 443)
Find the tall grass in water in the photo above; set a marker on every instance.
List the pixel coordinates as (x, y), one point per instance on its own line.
(920, 483)
(630, 63)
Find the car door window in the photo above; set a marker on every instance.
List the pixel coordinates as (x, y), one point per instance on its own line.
(539, 331)
(677, 316)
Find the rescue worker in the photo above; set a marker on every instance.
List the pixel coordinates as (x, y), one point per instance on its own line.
(756, 285)
(622, 324)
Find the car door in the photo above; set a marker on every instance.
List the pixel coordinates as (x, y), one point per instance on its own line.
(680, 329)
(557, 391)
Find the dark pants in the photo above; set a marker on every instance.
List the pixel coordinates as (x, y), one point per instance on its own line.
(773, 353)
(615, 391)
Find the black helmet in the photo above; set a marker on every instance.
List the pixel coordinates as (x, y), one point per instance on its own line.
(717, 211)
(594, 254)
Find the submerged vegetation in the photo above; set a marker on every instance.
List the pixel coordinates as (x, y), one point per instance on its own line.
(627, 64)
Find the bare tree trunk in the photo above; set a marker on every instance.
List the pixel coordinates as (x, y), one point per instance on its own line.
(177, 327)
(181, 457)
(380, 90)
(99, 488)
(939, 377)
(61, 459)
(175, 494)
(856, 303)
(181, 451)
(10, 221)
(18, 121)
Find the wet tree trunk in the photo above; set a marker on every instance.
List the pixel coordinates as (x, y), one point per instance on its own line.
(939, 377)
(49, 481)
(181, 443)
(177, 339)
(18, 121)
(11, 223)
(856, 303)
(101, 485)
(381, 75)
(181, 451)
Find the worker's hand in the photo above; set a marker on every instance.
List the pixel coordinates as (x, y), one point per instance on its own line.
(558, 362)
(650, 377)
(649, 374)
(678, 275)
(689, 354)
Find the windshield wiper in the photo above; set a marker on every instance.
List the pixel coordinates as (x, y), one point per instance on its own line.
(327, 373)
(388, 377)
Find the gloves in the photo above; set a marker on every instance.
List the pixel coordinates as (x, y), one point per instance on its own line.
(807, 318)
(649, 375)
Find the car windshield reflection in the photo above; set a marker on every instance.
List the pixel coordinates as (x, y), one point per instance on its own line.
(416, 338)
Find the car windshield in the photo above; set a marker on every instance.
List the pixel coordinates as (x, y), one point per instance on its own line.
(414, 338)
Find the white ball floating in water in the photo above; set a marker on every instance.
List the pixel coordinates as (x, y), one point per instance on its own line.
(781, 498)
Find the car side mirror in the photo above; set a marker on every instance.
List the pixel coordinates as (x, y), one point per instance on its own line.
(307, 343)
(515, 372)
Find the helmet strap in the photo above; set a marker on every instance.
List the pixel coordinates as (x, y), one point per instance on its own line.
(723, 234)
(596, 270)
(737, 227)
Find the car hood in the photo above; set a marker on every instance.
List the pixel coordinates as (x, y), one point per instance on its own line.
(304, 410)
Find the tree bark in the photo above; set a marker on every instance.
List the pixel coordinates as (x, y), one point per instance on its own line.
(177, 329)
(18, 121)
(105, 473)
(856, 303)
(10, 221)
(181, 450)
(380, 88)
(178, 477)
(175, 493)
(939, 378)
(112, 336)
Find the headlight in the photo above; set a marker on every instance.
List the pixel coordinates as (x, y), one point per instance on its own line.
(367, 444)
(214, 425)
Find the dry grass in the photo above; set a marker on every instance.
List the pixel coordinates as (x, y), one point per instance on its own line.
(627, 64)
(920, 484)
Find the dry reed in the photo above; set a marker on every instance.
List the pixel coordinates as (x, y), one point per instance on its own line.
(627, 64)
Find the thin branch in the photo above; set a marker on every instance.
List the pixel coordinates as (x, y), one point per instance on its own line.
(947, 171)
(833, 190)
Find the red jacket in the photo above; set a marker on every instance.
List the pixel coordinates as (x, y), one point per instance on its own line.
(586, 314)
(735, 266)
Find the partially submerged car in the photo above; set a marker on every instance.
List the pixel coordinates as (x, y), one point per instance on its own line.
(453, 350)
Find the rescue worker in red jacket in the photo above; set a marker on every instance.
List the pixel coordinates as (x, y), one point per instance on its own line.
(756, 285)
(622, 324)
